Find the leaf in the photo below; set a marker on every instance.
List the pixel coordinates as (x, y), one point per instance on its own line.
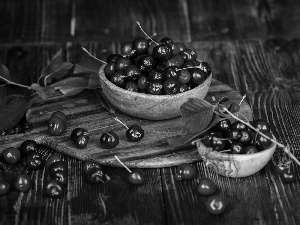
(43, 92)
(4, 72)
(226, 102)
(197, 114)
(71, 86)
(57, 68)
(2, 96)
(104, 101)
(13, 112)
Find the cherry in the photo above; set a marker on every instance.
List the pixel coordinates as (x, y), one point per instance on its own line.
(11, 155)
(82, 141)
(118, 78)
(109, 69)
(239, 125)
(217, 144)
(206, 186)
(27, 146)
(172, 72)
(127, 48)
(4, 187)
(122, 63)
(56, 126)
(88, 165)
(263, 143)
(132, 72)
(162, 52)
(181, 46)
(215, 204)
(113, 58)
(154, 88)
(250, 149)
(246, 137)
(51, 159)
(184, 87)
(171, 86)
(166, 40)
(188, 54)
(95, 175)
(53, 188)
(197, 76)
(175, 48)
(146, 62)
(179, 58)
(142, 82)
(156, 75)
(131, 86)
(77, 132)
(136, 177)
(23, 182)
(57, 166)
(207, 137)
(234, 134)
(172, 62)
(237, 148)
(60, 114)
(109, 140)
(261, 125)
(135, 133)
(140, 45)
(184, 76)
(223, 126)
(287, 176)
(34, 160)
(205, 67)
(186, 171)
(61, 177)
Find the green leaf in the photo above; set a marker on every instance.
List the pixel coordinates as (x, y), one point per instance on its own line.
(13, 113)
(43, 92)
(2, 96)
(4, 72)
(71, 86)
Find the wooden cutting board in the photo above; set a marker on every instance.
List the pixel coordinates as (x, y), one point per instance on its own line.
(85, 110)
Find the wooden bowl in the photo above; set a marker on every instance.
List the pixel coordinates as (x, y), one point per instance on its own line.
(146, 106)
(235, 165)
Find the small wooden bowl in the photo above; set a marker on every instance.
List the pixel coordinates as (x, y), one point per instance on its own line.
(146, 106)
(235, 165)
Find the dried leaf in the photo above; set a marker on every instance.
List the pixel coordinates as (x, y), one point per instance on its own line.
(13, 113)
(197, 114)
(43, 92)
(2, 96)
(71, 86)
(4, 72)
(104, 101)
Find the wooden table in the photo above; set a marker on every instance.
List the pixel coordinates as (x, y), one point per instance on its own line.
(252, 47)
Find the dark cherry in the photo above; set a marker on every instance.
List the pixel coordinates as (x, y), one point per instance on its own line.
(234, 134)
(246, 138)
(118, 78)
(186, 171)
(132, 72)
(61, 177)
(131, 86)
(250, 149)
(205, 67)
(127, 48)
(282, 167)
(23, 182)
(287, 176)
(135, 133)
(51, 159)
(206, 186)
(181, 46)
(156, 75)
(175, 48)
(151, 47)
(188, 55)
(57, 166)
(172, 72)
(184, 88)
(172, 62)
(95, 175)
(88, 165)
(239, 126)
(11, 155)
(216, 204)
(82, 141)
(263, 143)
(217, 144)
(166, 40)
(122, 63)
(207, 137)
(146, 63)
(53, 188)
(136, 177)
(109, 140)
(142, 82)
(162, 52)
(27, 146)
(109, 69)
(171, 86)
(34, 160)
(140, 45)
(59, 114)
(56, 126)
(154, 88)
(223, 126)
(261, 125)
(184, 76)
(197, 76)
(77, 132)
(179, 59)
(237, 148)
(4, 187)
(113, 58)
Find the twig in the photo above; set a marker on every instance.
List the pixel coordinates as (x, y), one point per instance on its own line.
(13, 83)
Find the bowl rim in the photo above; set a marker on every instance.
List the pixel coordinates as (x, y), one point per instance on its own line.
(158, 97)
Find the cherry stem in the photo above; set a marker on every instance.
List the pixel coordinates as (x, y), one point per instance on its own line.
(121, 123)
(138, 23)
(186, 68)
(123, 164)
(13, 83)
(84, 49)
(228, 150)
(286, 149)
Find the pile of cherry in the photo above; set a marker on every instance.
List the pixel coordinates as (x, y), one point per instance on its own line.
(156, 68)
